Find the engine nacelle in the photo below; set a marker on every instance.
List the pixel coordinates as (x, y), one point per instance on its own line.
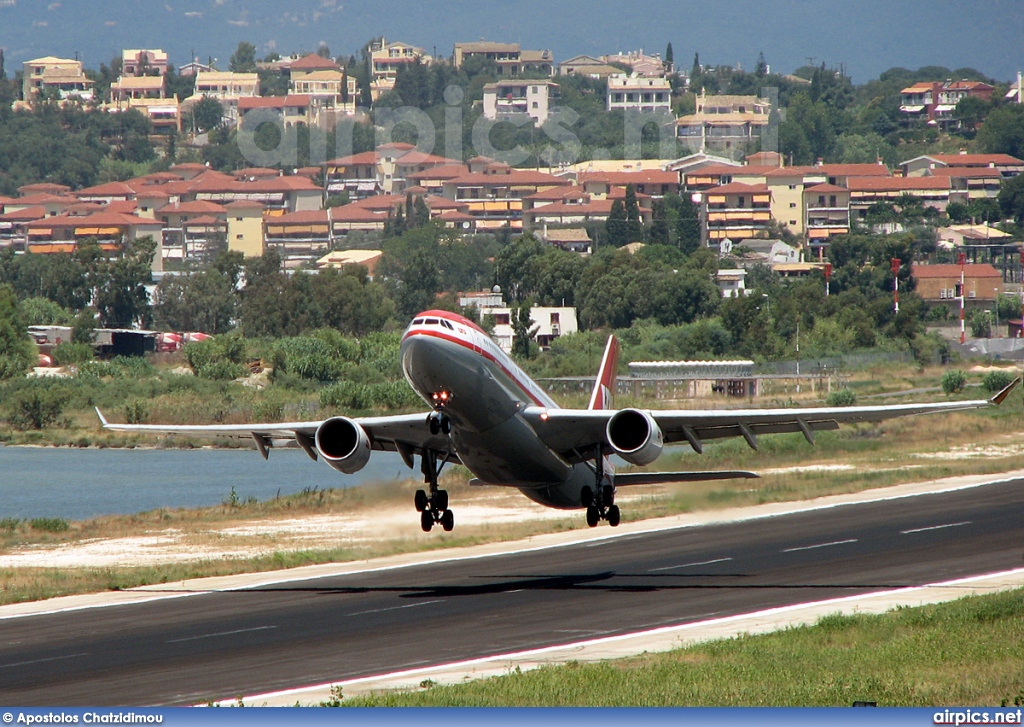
(343, 444)
(635, 436)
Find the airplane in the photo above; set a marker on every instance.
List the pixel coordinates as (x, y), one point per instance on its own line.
(487, 414)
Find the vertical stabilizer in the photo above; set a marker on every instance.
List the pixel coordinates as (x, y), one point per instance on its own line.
(604, 387)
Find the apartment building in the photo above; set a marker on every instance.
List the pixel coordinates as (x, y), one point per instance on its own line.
(735, 211)
(935, 101)
(139, 62)
(826, 214)
(507, 100)
(294, 109)
(1006, 165)
(510, 59)
(385, 61)
(226, 86)
(730, 124)
(587, 66)
(644, 94)
(390, 168)
(495, 199)
(63, 78)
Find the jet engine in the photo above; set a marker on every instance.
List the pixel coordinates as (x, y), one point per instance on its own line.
(635, 436)
(343, 444)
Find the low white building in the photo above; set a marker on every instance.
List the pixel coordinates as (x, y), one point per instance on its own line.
(550, 323)
(732, 283)
(639, 93)
(505, 100)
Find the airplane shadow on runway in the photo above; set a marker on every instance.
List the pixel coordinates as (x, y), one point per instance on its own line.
(601, 582)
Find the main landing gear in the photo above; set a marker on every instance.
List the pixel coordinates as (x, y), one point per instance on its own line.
(600, 502)
(432, 505)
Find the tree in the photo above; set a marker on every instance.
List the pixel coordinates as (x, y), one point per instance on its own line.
(1003, 131)
(761, 70)
(634, 228)
(615, 226)
(1011, 198)
(523, 330)
(688, 236)
(658, 234)
(204, 301)
(16, 350)
(207, 114)
(670, 57)
(120, 292)
(243, 60)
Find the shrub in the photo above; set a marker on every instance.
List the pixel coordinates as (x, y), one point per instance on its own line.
(220, 371)
(346, 395)
(72, 353)
(49, 524)
(37, 408)
(996, 380)
(953, 381)
(10, 524)
(841, 397)
(136, 411)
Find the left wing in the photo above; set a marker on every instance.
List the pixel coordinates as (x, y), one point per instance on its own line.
(406, 434)
(574, 433)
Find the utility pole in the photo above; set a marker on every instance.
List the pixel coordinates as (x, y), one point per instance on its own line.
(963, 296)
(895, 264)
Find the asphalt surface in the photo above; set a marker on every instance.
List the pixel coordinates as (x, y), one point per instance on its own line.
(217, 645)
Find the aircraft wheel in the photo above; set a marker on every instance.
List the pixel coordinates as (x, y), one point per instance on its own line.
(433, 424)
(447, 521)
(446, 425)
(426, 520)
(593, 516)
(441, 500)
(586, 497)
(614, 516)
(420, 500)
(608, 495)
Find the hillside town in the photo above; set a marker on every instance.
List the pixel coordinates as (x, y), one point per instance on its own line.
(206, 168)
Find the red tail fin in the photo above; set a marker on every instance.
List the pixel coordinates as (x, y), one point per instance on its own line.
(604, 387)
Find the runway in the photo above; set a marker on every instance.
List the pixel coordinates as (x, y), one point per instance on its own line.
(221, 644)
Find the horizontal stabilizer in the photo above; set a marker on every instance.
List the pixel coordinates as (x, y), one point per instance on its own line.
(658, 478)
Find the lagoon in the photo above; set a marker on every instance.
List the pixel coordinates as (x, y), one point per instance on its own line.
(77, 484)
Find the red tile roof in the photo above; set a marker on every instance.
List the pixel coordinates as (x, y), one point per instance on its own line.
(313, 62)
(204, 221)
(898, 184)
(351, 213)
(25, 215)
(273, 102)
(820, 188)
(360, 159)
(192, 208)
(99, 219)
(415, 158)
(962, 160)
(739, 188)
(646, 176)
(558, 193)
(981, 270)
(972, 172)
(304, 217)
(243, 204)
(47, 187)
(514, 176)
(853, 170)
(445, 171)
(110, 189)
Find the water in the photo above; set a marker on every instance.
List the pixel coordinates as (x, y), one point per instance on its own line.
(76, 484)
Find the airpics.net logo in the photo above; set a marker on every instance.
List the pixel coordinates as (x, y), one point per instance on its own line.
(554, 143)
(973, 716)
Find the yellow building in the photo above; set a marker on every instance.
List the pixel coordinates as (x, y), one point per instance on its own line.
(245, 228)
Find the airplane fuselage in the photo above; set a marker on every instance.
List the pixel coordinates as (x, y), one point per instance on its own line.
(448, 359)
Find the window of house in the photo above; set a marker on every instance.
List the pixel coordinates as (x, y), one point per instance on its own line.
(554, 318)
(832, 201)
(501, 319)
(239, 237)
(741, 201)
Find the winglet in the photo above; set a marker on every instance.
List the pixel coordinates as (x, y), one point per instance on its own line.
(103, 419)
(998, 398)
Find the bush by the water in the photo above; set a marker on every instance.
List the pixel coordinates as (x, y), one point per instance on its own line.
(67, 354)
(37, 407)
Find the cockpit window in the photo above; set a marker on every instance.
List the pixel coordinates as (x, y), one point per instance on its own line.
(417, 321)
(430, 321)
(447, 325)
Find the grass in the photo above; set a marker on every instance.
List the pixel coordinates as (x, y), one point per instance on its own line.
(966, 652)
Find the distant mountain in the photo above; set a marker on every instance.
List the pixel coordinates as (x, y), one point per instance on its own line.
(867, 36)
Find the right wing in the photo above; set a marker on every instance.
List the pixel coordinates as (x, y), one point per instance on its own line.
(574, 433)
